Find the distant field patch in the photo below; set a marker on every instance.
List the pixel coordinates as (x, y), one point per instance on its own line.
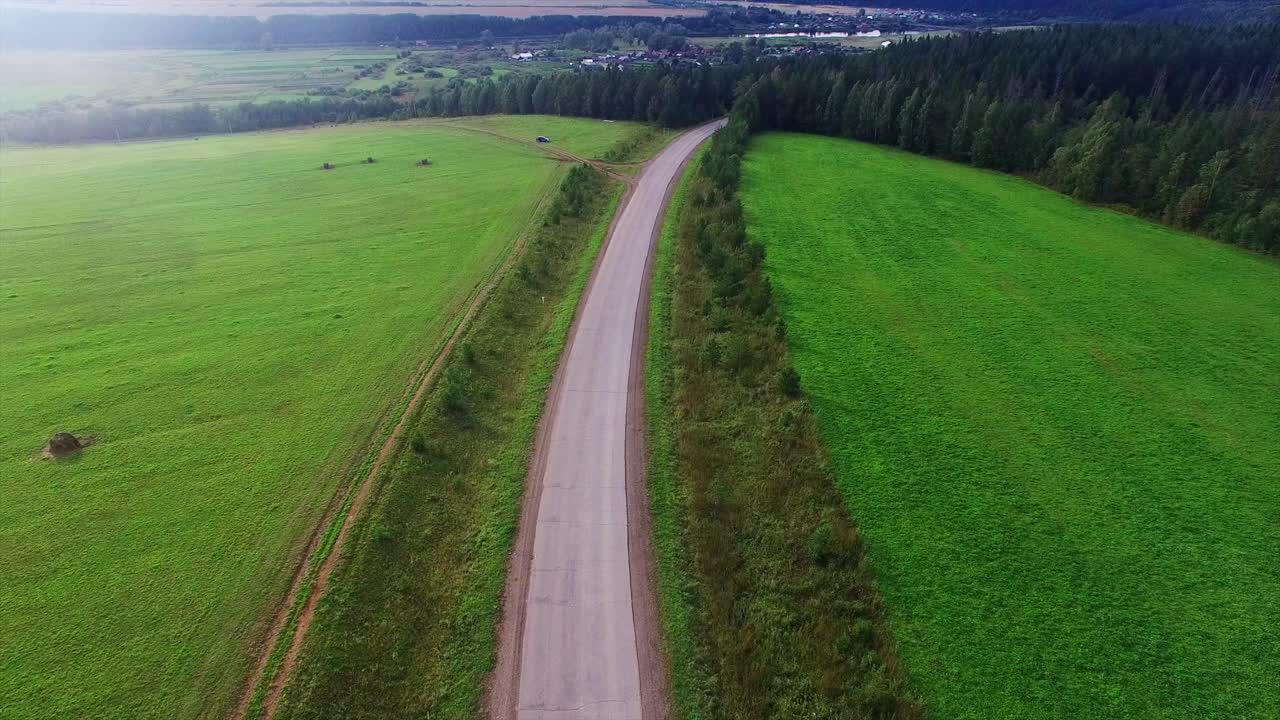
(501, 8)
(1056, 426)
(155, 78)
(28, 78)
(236, 326)
(160, 77)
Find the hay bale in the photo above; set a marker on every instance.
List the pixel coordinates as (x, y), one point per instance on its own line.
(63, 444)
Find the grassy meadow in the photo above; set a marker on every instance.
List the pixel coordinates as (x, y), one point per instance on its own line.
(235, 325)
(1056, 427)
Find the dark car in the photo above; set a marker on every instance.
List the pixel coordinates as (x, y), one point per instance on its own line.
(543, 138)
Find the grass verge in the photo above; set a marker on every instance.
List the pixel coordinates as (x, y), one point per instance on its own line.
(667, 500)
(769, 607)
(407, 628)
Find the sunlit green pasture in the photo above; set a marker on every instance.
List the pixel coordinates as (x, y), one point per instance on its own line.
(236, 326)
(1057, 427)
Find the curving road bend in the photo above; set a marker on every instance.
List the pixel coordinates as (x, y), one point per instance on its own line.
(578, 655)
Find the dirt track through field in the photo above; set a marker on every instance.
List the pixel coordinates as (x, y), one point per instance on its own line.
(580, 637)
(557, 152)
(363, 491)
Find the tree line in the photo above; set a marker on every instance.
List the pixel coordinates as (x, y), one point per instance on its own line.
(116, 122)
(671, 96)
(743, 483)
(1179, 124)
(664, 36)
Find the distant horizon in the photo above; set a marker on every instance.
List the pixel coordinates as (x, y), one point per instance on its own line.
(266, 9)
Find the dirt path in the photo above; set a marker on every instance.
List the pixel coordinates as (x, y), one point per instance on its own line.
(551, 149)
(363, 490)
(580, 635)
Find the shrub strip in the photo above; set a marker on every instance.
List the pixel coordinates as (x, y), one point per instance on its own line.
(769, 603)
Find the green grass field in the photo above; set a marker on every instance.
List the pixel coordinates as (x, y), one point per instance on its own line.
(1056, 427)
(235, 325)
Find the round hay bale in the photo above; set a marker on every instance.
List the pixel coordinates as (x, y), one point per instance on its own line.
(63, 444)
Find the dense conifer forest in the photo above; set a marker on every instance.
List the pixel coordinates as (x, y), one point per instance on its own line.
(1179, 124)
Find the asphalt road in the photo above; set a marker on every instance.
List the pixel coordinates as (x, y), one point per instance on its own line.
(578, 653)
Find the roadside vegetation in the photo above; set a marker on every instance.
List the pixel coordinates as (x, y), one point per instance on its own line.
(408, 627)
(668, 502)
(238, 329)
(638, 148)
(1055, 425)
(769, 605)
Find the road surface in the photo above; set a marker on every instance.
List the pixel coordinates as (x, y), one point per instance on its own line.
(578, 651)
